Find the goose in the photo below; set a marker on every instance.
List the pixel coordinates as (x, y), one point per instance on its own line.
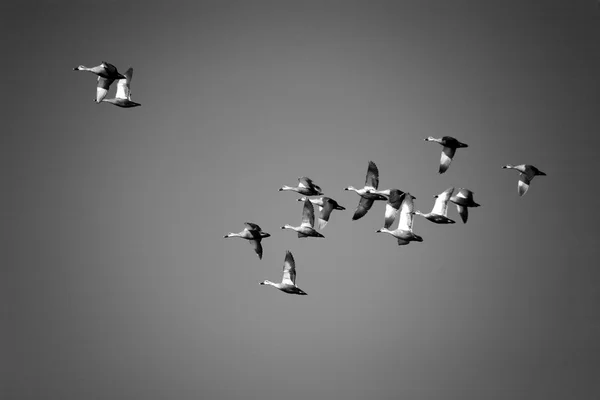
(306, 228)
(104, 70)
(326, 205)
(439, 213)
(368, 194)
(305, 186)
(288, 281)
(450, 145)
(404, 232)
(527, 173)
(464, 199)
(254, 234)
(123, 95)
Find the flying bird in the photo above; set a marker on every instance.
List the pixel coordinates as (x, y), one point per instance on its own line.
(439, 213)
(526, 173)
(123, 95)
(368, 194)
(463, 200)
(306, 228)
(254, 234)
(450, 145)
(326, 205)
(288, 281)
(107, 73)
(305, 186)
(404, 232)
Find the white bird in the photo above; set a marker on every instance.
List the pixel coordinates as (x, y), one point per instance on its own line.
(439, 213)
(325, 205)
(306, 186)
(450, 145)
(404, 232)
(123, 95)
(288, 281)
(306, 228)
(368, 194)
(107, 73)
(527, 173)
(464, 199)
(254, 234)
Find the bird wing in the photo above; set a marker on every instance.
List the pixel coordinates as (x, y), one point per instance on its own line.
(406, 213)
(308, 214)
(447, 154)
(524, 181)
(441, 202)
(308, 183)
(326, 210)
(252, 226)
(463, 212)
(289, 269)
(256, 245)
(123, 86)
(392, 206)
(102, 88)
(364, 205)
(372, 179)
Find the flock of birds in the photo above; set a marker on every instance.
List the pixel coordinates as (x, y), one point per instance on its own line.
(399, 205)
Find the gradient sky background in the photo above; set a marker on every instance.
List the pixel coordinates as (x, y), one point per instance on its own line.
(119, 283)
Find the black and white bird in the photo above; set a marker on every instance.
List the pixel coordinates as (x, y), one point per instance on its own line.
(325, 206)
(526, 173)
(107, 73)
(463, 200)
(254, 234)
(288, 281)
(368, 194)
(439, 213)
(306, 228)
(306, 187)
(123, 95)
(450, 145)
(404, 232)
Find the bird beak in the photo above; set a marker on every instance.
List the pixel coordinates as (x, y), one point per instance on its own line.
(542, 173)
(266, 235)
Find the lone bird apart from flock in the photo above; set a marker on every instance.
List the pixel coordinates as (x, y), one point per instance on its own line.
(450, 145)
(288, 281)
(527, 173)
(404, 232)
(123, 95)
(107, 73)
(306, 228)
(464, 199)
(305, 186)
(439, 213)
(254, 234)
(326, 205)
(368, 194)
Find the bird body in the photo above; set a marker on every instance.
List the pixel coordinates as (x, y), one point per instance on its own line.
(404, 232)
(123, 95)
(306, 187)
(306, 228)
(463, 200)
(368, 194)
(439, 213)
(326, 205)
(288, 281)
(526, 173)
(104, 70)
(254, 234)
(450, 145)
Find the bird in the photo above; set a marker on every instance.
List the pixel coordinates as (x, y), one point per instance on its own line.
(107, 73)
(123, 95)
(254, 234)
(306, 187)
(326, 205)
(368, 194)
(527, 173)
(306, 228)
(392, 206)
(439, 213)
(464, 199)
(450, 145)
(288, 281)
(404, 232)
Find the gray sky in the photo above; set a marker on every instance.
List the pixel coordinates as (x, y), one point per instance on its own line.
(119, 283)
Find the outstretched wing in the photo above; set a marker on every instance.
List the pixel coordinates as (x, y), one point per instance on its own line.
(406, 213)
(441, 202)
(447, 154)
(308, 183)
(123, 86)
(524, 181)
(372, 178)
(463, 212)
(252, 226)
(364, 205)
(392, 206)
(289, 269)
(308, 214)
(102, 88)
(256, 245)
(328, 207)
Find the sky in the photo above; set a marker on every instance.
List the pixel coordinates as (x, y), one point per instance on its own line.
(118, 283)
